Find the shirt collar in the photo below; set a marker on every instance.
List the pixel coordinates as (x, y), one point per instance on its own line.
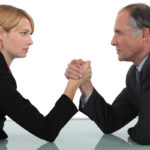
(141, 64)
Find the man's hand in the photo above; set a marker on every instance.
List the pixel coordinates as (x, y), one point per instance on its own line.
(75, 71)
(73, 85)
(87, 73)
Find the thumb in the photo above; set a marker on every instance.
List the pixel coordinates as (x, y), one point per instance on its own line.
(87, 64)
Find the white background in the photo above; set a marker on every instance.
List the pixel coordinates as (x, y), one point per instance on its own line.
(64, 30)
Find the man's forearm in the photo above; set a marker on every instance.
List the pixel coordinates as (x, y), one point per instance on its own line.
(86, 88)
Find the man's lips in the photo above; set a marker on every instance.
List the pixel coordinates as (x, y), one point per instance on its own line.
(118, 51)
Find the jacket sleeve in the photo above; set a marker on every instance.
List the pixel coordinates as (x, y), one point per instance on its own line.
(109, 118)
(19, 109)
(140, 133)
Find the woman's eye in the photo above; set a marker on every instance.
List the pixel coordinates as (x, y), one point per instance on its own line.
(23, 33)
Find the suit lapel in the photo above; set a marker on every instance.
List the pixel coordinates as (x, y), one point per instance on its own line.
(145, 72)
(4, 72)
(3, 64)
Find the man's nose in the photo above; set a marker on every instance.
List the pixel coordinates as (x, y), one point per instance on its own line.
(114, 41)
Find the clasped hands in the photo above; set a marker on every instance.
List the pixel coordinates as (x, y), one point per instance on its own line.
(79, 70)
(79, 74)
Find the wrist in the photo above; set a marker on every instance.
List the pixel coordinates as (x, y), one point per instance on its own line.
(86, 88)
(71, 88)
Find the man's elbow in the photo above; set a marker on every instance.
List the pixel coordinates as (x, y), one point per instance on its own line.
(142, 138)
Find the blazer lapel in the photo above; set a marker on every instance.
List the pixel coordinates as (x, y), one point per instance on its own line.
(145, 72)
(4, 72)
(3, 64)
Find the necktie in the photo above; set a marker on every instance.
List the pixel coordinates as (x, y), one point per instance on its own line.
(137, 76)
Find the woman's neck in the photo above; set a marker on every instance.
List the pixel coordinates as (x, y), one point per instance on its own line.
(7, 58)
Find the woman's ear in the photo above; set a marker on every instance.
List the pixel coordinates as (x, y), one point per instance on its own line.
(1, 33)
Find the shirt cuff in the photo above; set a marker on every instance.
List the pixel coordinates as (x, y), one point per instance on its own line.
(85, 100)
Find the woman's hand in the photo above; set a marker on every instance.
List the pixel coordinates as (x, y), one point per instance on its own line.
(75, 69)
(73, 85)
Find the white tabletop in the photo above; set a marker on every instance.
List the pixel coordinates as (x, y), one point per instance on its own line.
(78, 134)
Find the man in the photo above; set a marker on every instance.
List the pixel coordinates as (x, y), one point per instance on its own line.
(132, 41)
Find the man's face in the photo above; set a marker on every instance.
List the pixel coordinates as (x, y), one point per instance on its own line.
(128, 45)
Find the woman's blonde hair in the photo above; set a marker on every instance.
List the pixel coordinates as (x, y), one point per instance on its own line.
(10, 16)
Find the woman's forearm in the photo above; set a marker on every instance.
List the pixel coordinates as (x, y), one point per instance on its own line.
(71, 88)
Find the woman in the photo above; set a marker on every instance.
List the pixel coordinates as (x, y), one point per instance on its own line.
(16, 27)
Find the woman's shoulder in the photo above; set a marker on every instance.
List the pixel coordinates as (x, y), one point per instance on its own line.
(6, 78)
(3, 75)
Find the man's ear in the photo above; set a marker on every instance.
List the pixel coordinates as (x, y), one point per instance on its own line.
(145, 34)
(1, 33)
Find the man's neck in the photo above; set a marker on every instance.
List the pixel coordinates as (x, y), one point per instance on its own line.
(140, 66)
(140, 57)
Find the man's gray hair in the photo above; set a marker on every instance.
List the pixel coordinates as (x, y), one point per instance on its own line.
(140, 16)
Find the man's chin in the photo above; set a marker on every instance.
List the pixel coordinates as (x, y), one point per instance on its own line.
(120, 58)
(123, 59)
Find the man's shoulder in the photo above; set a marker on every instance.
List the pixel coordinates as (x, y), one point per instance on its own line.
(146, 66)
(131, 70)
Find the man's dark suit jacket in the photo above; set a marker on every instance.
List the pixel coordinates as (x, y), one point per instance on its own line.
(19, 109)
(134, 100)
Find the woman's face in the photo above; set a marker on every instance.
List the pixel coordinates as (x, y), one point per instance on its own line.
(17, 41)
